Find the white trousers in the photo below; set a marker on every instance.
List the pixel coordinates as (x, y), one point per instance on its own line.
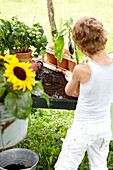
(81, 137)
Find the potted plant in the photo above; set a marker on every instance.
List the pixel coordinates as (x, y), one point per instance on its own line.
(3, 47)
(18, 37)
(60, 56)
(17, 84)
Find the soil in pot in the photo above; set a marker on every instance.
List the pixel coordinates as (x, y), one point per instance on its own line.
(54, 83)
(15, 167)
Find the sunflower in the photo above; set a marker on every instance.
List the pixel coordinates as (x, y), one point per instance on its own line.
(8, 57)
(19, 74)
(1, 57)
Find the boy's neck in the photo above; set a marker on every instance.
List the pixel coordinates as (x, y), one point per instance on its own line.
(102, 58)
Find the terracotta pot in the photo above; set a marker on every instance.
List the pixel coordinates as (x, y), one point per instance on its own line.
(12, 130)
(26, 55)
(71, 65)
(50, 58)
(63, 64)
(66, 51)
(67, 62)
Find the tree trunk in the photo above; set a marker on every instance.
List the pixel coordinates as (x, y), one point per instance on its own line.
(51, 18)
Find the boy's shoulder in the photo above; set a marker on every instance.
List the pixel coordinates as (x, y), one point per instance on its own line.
(82, 71)
(81, 67)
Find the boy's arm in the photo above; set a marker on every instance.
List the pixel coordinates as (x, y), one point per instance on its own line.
(72, 86)
(81, 74)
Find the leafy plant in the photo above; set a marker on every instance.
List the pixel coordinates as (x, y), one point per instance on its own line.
(17, 84)
(59, 42)
(38, 39)
(4, 31)
(16, 36)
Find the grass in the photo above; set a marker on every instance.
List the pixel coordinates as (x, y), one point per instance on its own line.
(45, 130)
(47, 127)
(31, 11)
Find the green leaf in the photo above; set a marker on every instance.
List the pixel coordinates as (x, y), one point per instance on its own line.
(2, 80)
(38, 90)
(2, 91)
(19, 104)
(59, 48)
(2, 34)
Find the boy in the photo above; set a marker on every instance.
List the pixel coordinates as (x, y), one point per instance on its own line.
(91, 129)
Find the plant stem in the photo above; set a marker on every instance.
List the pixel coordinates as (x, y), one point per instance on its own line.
(76, 54)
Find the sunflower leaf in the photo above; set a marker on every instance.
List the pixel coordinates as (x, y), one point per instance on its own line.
(38, 90)
(19, 104)
(2, 91)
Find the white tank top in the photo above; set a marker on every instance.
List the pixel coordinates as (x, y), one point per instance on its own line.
(96, 95)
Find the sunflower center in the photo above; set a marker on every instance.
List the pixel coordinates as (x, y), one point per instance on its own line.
(19, 73)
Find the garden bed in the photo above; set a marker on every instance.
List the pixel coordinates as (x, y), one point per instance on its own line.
(54, 83)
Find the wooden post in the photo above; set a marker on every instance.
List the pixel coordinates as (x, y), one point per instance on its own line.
(51, 18)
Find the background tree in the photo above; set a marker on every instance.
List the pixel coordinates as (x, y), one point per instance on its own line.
(50, 8)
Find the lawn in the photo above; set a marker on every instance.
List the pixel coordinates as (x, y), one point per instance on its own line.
(31, 11)
(47, 127)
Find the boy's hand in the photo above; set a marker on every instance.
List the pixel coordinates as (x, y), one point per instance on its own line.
(68, 75)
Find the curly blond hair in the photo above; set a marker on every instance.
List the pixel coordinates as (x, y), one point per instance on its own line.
(89, 35)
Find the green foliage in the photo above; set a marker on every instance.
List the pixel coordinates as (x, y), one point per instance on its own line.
(110, 156)
(38, 90)
(16, 36)
(45, 130)
(16, 106)
(60, 38)
(19, 36)
(5, 28)
(59, 48)
(59, 42)
(38, 39)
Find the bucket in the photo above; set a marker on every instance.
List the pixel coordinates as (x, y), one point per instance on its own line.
(12, 130)
(18, 159)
